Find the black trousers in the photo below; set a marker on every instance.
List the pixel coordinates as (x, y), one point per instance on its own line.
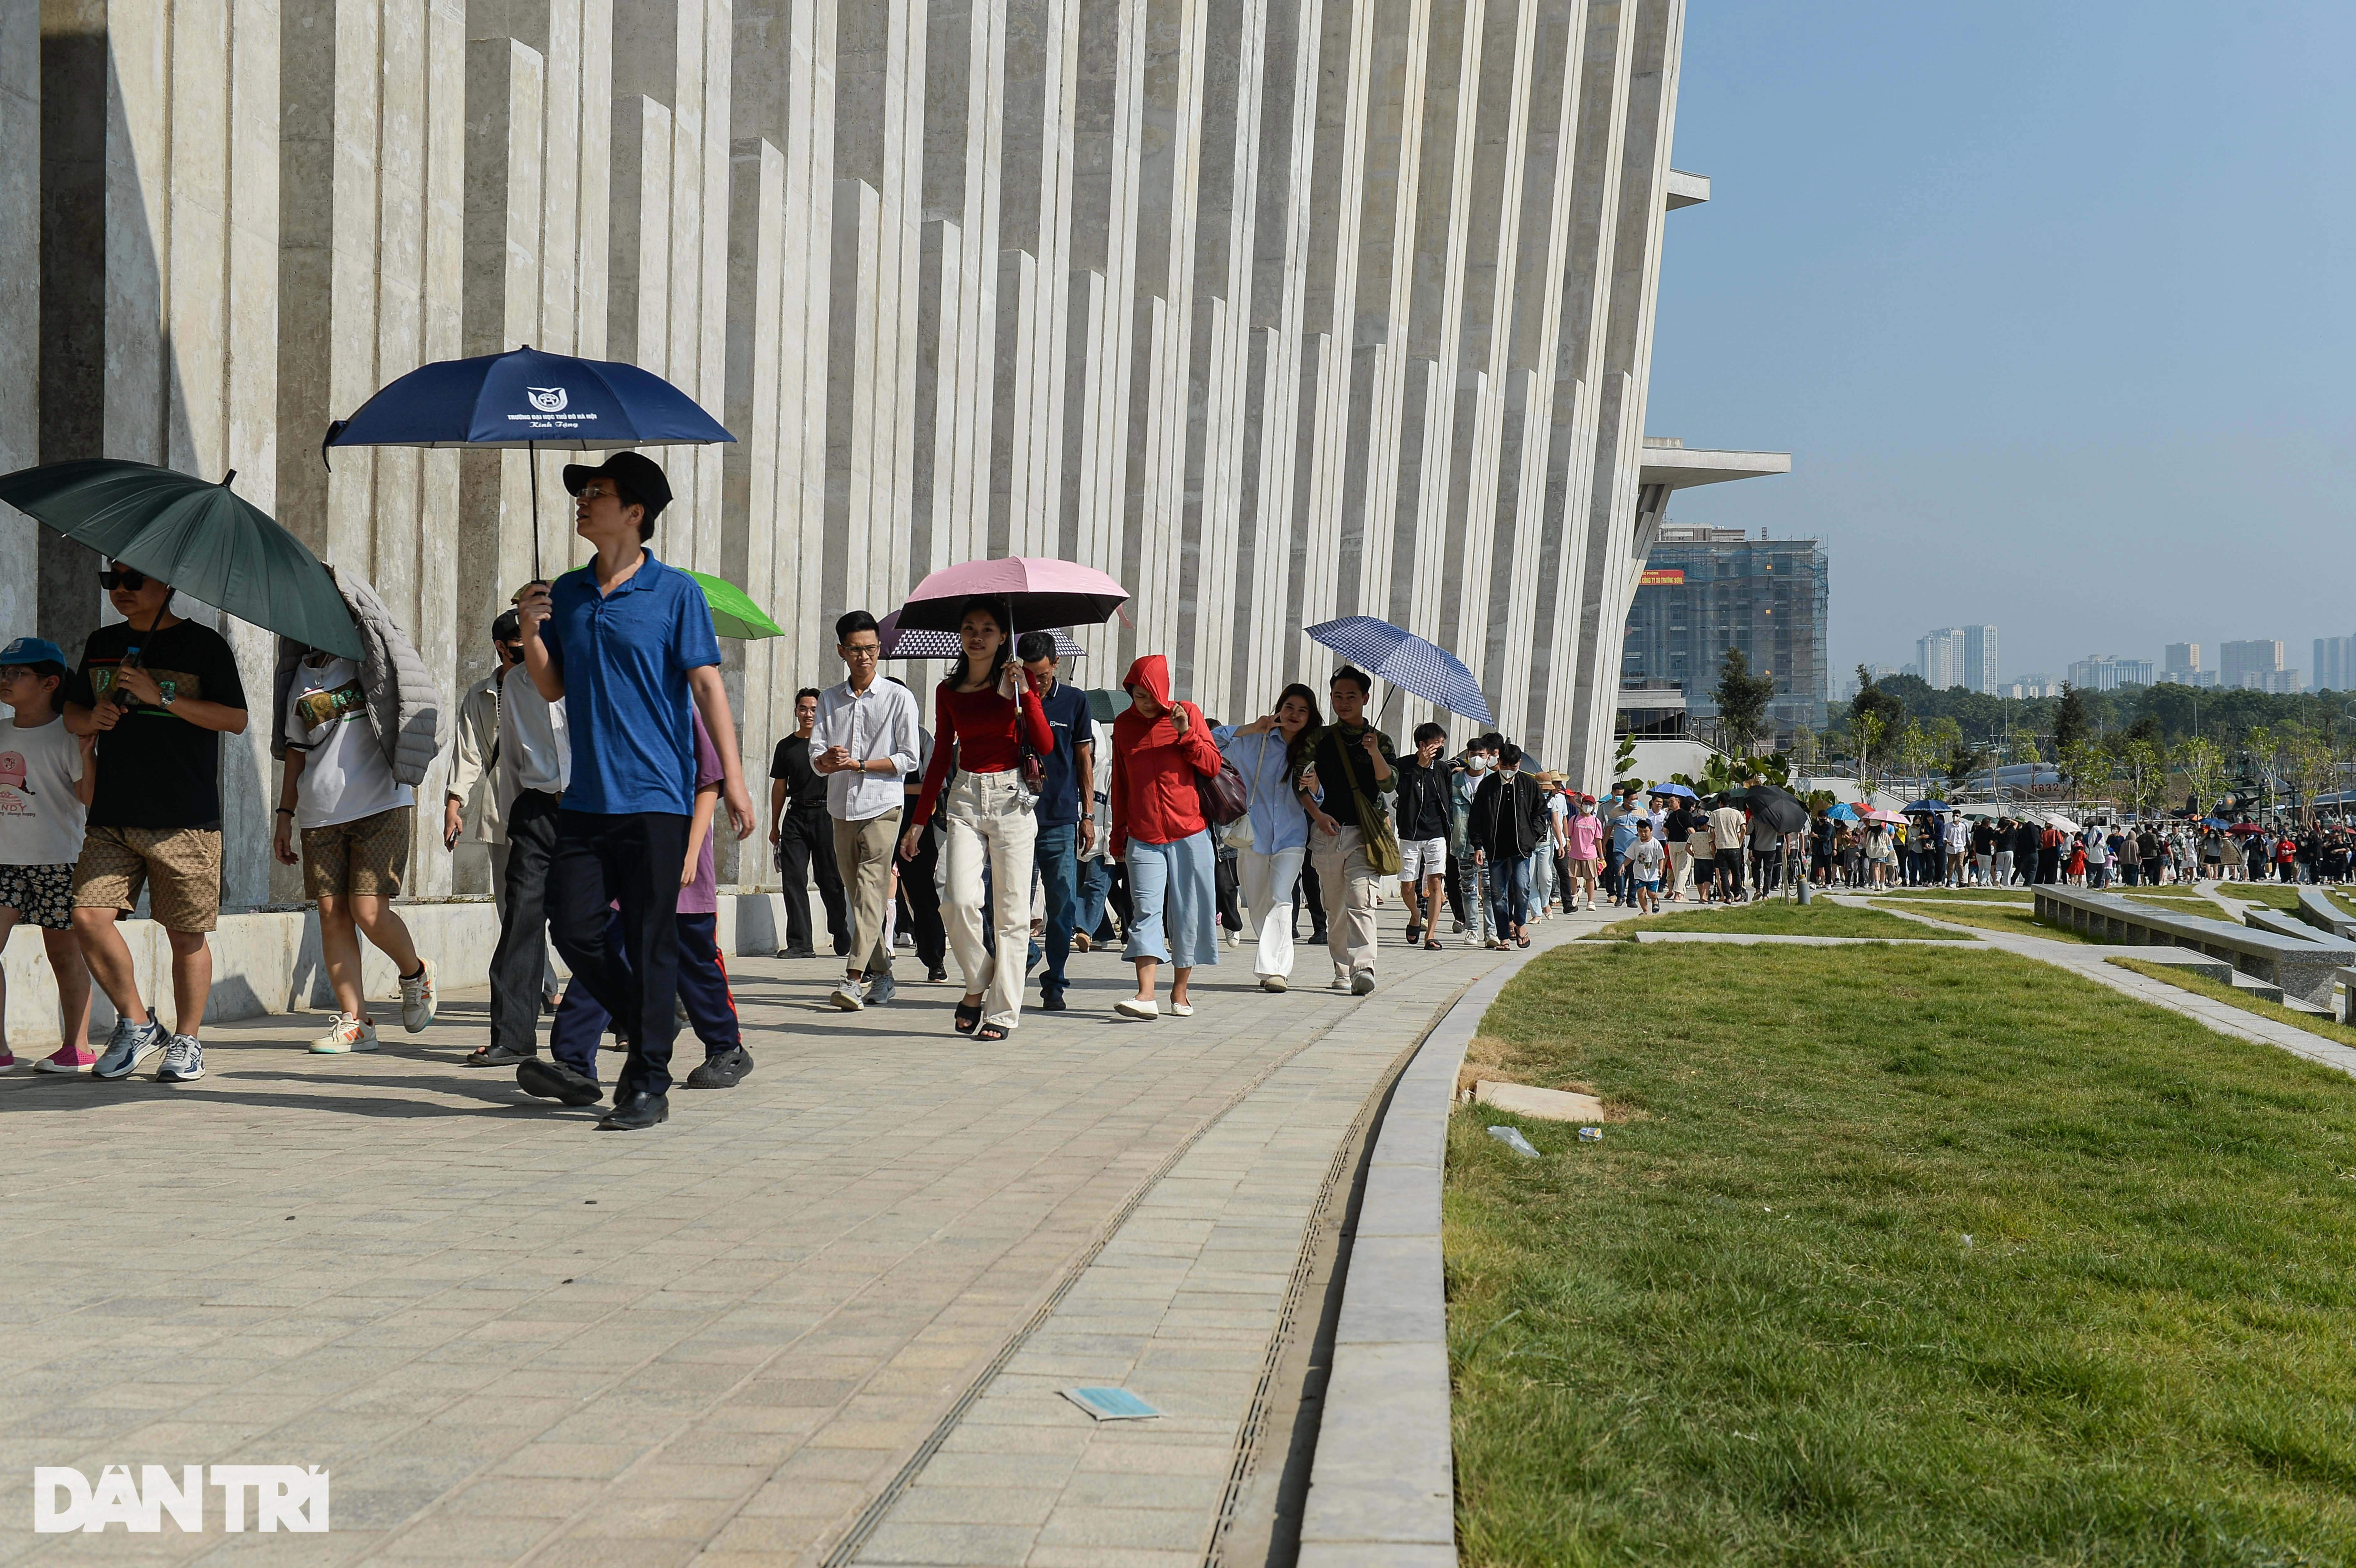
(1309, 894)
(517, 962)
(805, 846)
(1456, 887)
(920, 901)
(1227, 890)
(633, 856)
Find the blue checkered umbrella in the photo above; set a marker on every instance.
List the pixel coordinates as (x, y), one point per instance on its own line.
(1419, 667)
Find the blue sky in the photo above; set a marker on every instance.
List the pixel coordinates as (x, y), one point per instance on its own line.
(2053, 306)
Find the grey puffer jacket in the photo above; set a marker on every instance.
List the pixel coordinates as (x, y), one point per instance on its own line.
(404, 707)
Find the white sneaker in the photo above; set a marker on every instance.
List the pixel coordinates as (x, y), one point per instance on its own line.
(350, 1034)
(416, 1000)
(1473, 939)
(1362, 983)
(1271, 982)
(184, 1061)
(1341, 980)
(1130, 1008)
(850, 994)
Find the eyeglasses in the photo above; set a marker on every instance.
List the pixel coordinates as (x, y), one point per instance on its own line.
(862, 650)
(134, 580)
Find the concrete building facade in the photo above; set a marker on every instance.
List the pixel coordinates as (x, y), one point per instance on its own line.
(1278, 309)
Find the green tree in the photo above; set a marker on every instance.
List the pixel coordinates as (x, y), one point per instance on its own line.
(2072, 723)
(1742, 699)
(2203, 767)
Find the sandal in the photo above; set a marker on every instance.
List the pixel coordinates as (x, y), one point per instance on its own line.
(968, 1019)
(990, 1032)
(1432, 946)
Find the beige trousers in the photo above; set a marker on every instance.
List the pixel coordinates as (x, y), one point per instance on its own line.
(862, 853)
(1351, 887)
(987, 821)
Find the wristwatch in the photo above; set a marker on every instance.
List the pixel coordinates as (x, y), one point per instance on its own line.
(165, 697)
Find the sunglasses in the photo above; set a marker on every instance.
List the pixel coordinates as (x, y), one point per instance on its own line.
(134, 580)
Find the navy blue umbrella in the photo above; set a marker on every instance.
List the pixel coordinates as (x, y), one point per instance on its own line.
(529, 400)
(1414, 665)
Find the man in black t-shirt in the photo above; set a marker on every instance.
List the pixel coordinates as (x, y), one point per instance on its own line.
(159, 692)
(804, 840)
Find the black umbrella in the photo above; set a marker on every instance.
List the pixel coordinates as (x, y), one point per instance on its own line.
(1779, 808)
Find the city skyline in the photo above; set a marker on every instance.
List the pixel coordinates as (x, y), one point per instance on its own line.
(2265, 664)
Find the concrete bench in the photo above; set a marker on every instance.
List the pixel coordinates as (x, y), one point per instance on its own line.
(2303, 965)
(2316, 908)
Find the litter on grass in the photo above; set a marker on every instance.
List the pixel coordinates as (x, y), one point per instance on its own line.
(1512, 1138)
(1591, 1134)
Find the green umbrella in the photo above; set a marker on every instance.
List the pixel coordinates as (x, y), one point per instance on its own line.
(193, 535)
(733, 614)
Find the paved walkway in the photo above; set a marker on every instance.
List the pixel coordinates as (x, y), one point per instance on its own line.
(817, 1318)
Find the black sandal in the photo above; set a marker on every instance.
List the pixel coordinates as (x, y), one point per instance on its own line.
(1432, 946)
(989, 1033)
(968, 1019)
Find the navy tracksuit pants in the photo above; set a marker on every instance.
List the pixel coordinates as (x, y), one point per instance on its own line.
(580, 1022)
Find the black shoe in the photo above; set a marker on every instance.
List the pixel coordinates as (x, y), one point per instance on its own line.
(554, 1081)
(800, 952)
(842, 947)
(724, 1071)
(937, 973)
(635, 1110)
(1052, 1002)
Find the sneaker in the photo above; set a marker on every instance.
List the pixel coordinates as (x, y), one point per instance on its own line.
(881, 990)
(938, 975)
(68, 1059)
(130, 1044)
(1053, 1002)
(500, 1056)
(724, 1071)
(905, 942)
(7, 1060)
(1362, 983)
(417, 998)
(850, 994)
(1473, 939)
(184, 1061)
(1082, 942)
(1271, 982)
(348, 1033)
(1341, 980)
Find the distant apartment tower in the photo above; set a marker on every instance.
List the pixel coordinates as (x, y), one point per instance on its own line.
(2026, 686)
(2108, 672)
(2334, 664)
(1957, 655)
(1706, 590)
(2181, 667)
(2238, 663)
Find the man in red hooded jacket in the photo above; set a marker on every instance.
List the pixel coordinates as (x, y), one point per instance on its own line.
(1160, 748)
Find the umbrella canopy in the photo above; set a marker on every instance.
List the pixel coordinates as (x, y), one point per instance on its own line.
(2237, 827)
(194, 534)
(1044, 593)
(1415, 666)
(733, 614)
(1930, 805)
(1778, 807)
(1878, 814)
(911, 643)
(1675, 789)
(2067, 824)
(1842, 811)
(528, 399)
(2218, 823)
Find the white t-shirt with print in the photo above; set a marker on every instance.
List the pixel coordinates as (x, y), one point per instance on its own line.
(344, 773)
(40, 816)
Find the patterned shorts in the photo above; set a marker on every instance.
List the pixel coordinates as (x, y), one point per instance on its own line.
(43, 894)
(179, 867)
(362, 859)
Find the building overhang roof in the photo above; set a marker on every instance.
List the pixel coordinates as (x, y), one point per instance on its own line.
(1683, 467)
(1684, 189)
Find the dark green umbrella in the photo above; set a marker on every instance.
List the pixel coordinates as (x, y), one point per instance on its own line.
(193, 535)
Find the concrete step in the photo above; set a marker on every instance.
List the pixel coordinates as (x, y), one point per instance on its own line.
(2265, 991)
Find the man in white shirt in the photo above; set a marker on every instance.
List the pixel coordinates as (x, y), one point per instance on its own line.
(865, 744)
(535, 763)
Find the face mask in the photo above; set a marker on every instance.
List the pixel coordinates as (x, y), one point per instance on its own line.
(1476, 764)
(1586, 809)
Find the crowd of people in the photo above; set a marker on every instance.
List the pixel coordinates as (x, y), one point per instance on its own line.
(597, 764)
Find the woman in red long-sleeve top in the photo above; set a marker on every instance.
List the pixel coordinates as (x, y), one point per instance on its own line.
(986, 815)
(1160, 750)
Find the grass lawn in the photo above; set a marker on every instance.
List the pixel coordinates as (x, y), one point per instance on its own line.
(1747, 1328)
(2177, 975)
(1776, 918)
(2020, 922)
(2274, 895)
(1978, 895)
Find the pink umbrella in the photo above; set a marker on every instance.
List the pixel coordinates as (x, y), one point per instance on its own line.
(1041, 590)
(901, 643)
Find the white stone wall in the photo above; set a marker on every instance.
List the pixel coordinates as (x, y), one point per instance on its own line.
(1276, 309)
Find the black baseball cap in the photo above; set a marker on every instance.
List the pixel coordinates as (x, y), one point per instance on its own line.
(641, 475)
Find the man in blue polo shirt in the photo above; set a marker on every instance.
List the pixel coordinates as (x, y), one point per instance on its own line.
(627, 643)
(1069, 778)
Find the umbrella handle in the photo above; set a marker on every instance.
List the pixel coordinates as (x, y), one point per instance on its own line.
(532, 457)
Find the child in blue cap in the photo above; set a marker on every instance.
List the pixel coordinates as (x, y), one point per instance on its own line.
(45, 787)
